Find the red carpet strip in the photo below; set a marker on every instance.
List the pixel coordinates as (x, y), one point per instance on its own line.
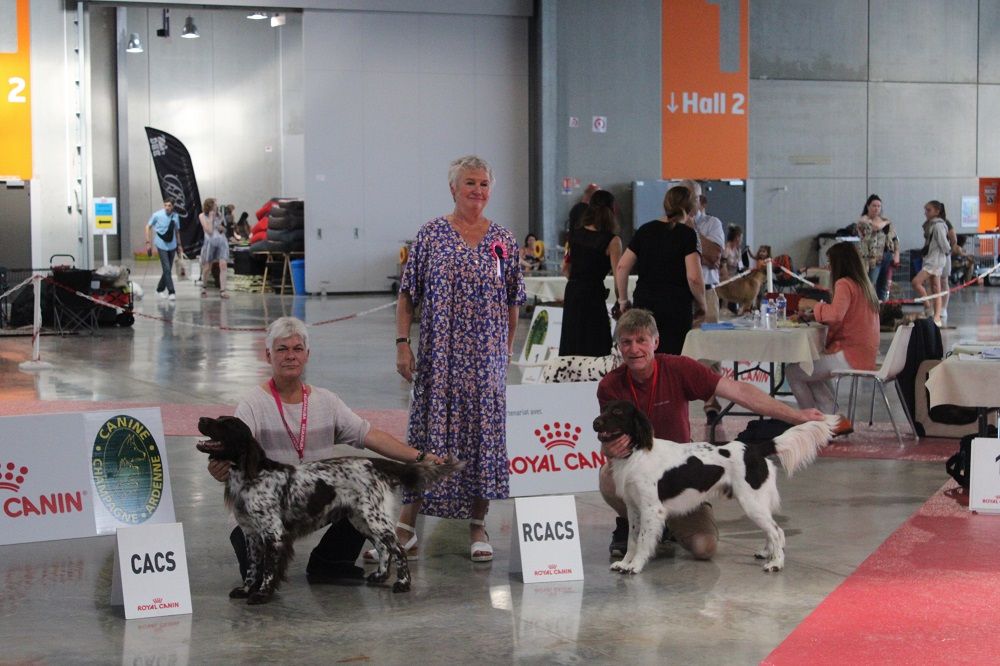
(929, 595)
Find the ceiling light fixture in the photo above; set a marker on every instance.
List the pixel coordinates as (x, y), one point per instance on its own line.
(134, 44)
(257, 15)
(190, 31)
(165, 30)
(277, 20)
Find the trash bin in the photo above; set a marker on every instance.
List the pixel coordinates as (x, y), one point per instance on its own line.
(298, 267)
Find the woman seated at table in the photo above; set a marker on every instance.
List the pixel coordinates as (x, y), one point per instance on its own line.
(852, 337)
(530, 261)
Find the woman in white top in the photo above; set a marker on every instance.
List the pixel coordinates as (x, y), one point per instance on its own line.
(215, 249)
(936, 253)
(283, 409)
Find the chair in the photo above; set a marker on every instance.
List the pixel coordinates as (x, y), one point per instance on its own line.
(71, 313)
(892, 365)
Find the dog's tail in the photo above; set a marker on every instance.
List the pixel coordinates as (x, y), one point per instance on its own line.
(797, 447)
(417, 476)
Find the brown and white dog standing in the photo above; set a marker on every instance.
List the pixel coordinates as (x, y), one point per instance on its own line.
(743, 291)
(661, 478)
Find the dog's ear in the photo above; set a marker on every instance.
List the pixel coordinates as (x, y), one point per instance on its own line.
(253, 456)
(642, 430)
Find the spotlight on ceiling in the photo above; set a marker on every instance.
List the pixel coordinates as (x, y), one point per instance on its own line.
(165, 30)
(134, 44)
(277, 20)
(190, 31)
(257, 15)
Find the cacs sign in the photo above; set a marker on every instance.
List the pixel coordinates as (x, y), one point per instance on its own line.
(551, 446)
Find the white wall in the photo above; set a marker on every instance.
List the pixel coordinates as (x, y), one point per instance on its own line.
(219, 94)
(390, 100)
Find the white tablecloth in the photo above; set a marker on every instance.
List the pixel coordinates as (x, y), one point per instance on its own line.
(965, 382)
(552, 288)
(800, 345)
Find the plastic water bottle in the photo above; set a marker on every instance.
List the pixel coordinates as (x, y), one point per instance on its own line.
(765, 313)
(781, 305)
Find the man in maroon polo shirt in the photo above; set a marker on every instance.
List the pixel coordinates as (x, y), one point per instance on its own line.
(661, 386)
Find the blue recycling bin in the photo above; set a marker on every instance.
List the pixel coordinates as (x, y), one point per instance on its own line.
(298, 267)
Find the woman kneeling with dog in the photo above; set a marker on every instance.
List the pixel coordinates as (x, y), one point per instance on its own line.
(295, 423)
(852, 338)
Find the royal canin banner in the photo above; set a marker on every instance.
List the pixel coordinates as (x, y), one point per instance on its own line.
(45, 490)
(64, 476)
(551, 444)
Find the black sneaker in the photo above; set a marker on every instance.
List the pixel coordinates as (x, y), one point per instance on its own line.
(619, 538)
(337, 575)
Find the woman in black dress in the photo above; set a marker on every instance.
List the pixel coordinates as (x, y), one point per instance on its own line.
(664, 253)
(594, 248)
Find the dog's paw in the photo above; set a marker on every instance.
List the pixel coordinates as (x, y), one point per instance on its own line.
(239, 593)
(617, 566)
(772, 566)
(377, 576)
(762, 554)
(401, 586)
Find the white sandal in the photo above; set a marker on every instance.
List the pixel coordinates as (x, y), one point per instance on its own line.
(370, 556)
(482, 547)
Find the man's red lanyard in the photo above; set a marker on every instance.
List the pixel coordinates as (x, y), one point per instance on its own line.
(652, 389)
(298, 444)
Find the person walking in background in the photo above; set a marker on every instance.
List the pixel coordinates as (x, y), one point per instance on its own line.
(215, 249)
(664, 253)
(879, 245)
(936, 252)
(594, 248)
(711, 242)
(464, 274)
(167, 225)
(853, 330)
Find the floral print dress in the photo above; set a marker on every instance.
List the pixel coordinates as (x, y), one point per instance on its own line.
(459, 402)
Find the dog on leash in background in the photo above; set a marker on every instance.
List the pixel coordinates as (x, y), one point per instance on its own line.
(662, 478)
(744, 291)
(275, 503)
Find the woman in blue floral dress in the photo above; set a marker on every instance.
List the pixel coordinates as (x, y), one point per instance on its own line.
(463, 273)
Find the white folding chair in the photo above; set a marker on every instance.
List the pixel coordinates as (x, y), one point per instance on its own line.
(892, 365)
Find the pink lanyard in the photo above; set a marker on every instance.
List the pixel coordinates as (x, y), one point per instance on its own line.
(298, 444)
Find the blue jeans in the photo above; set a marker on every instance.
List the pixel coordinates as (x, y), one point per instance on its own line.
(167, 264)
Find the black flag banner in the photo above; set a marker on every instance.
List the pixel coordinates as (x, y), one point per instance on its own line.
(175, 172)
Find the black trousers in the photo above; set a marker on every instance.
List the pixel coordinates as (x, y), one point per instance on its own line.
(338, 549)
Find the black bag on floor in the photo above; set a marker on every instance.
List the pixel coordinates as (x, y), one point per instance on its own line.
(958, 465)
(762, 430)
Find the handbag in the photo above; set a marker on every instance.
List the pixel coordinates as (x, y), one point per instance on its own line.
(167, 237)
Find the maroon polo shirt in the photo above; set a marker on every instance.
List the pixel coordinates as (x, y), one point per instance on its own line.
(679, 381)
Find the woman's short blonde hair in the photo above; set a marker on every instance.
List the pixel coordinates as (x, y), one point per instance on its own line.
(286, 327)
(468, 163)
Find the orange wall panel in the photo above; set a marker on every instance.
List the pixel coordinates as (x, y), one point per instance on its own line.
(15, 101)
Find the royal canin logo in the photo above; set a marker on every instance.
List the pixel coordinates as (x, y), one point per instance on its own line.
(12, 476)
(551, 436)
(558, 434)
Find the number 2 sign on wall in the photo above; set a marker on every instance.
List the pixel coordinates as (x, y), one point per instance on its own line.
(15, 93)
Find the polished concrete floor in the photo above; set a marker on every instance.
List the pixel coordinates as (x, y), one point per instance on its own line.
(54, 596)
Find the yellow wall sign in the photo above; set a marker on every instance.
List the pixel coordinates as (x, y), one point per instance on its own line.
(15, 95)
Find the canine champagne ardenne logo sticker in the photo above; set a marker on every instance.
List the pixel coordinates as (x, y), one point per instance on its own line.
(127, 469)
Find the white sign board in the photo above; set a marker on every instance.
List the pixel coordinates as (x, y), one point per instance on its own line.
(551, 443)
(128, 464)
(105, 216)
(750, 372)
(45, 489)
(542, 342)
(150, 571)
(984, 476)
(78, 475)
(545, 539)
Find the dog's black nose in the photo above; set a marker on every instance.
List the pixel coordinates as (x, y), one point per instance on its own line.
(598, 424)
